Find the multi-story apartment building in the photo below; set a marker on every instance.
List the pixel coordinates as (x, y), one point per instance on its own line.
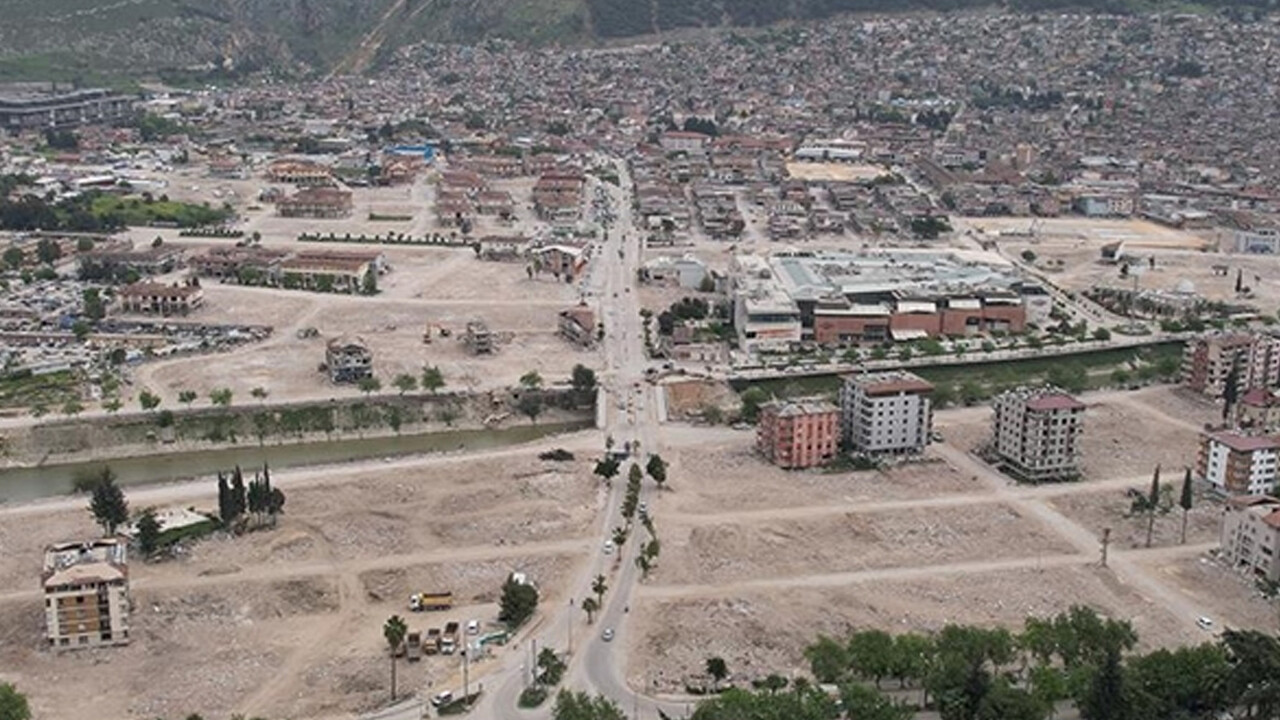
(1238, 464)
(86, 594)
(1037, 433)
(798, 434)
(886, 413)
(1209, 359)
(1251, 536)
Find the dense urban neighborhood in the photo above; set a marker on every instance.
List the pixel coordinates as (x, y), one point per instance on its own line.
(720, 373)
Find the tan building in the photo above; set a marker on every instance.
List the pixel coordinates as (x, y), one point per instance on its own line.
(160, 299)
(329, 271)
(798, 434)
(1037, 433)
(316, 202)
(86, 594)
(1251, 536)
(1258, 409)
(886, 413)
(348, 360)
(299, 172)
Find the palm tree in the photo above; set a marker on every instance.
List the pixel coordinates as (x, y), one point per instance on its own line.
(590, 605)
(394, 631)
(598, 587)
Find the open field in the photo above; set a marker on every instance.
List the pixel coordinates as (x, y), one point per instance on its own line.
(287, 622)
(447, 288)
(833, 171)
(726, 552)
(1126, 434)
(729, 477)
(1080, 232)
(1110, 509)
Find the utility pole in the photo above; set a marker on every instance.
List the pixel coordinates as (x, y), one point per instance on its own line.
(533, 663)
(569, 626)
(466, 662)
(1106, 540)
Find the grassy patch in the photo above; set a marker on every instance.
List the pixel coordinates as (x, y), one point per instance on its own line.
(532, 697)
(51, 390)
(136, 211)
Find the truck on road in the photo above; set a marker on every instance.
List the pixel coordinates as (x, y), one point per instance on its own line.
(449, 641)
(419, 602)
(413, 646)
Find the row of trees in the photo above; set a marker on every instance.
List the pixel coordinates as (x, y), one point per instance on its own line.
(970, 673)
(257, 501)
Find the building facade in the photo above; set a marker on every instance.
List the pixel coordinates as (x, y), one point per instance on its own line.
(24, 111)
(798, 434)
(160, 299)
(316, 202)
(1251, 536)
(1238, 464)
(1037, 433)
(86, 594)
(886, 413)
(1208, 361)
(348, 360)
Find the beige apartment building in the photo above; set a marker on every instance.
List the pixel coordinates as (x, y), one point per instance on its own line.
(86, 594)
(1037, 433)
(1251, 536)
(1208, 360)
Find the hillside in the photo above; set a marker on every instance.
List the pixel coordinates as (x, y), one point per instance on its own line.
(90, 40)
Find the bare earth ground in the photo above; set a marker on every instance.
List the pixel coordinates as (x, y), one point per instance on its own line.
(286, 622)
(1125, 433)
(442, 287)
(1180, 255)
(757, 561)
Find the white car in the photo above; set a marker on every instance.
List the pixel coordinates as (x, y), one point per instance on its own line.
(607, 635)
(1204, 623)
(609, 547)
(441, 699)
(473, 627)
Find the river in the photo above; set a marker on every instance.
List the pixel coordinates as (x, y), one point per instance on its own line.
(34, 483)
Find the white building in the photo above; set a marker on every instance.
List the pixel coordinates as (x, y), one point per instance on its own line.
(1259, 240)
(764, 314)
(1251, 536)
(1238, 464)
(886, 413)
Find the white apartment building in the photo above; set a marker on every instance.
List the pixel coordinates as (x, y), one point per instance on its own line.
(1037, 433)
(1251, 536)
(886, 413)
(1238, 464)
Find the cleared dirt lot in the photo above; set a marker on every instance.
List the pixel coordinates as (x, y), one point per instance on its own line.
(1126, 434)
(758, 633)
(727, 552)
(287, 622)
(1233, 601)
(1110, 509)
(730, 476)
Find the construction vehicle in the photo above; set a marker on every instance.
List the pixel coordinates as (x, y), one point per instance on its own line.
(419, 602)
(431, 645)
(413, 646)
(449, 640)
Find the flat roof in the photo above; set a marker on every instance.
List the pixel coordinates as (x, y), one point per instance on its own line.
(1246, 443)
(1054, 401)
(890, 383)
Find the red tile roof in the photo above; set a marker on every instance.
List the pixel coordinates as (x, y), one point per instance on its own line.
(1246, 443)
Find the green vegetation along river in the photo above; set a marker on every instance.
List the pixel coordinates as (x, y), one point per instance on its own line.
(33, 483)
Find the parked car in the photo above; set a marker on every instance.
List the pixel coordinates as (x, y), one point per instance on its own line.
(607, 635)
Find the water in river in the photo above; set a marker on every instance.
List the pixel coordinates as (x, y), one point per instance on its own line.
(23, 484)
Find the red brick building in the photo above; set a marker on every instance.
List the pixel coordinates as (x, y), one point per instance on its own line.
(798, 434)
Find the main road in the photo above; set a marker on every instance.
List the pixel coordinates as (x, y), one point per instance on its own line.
(596, 665)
